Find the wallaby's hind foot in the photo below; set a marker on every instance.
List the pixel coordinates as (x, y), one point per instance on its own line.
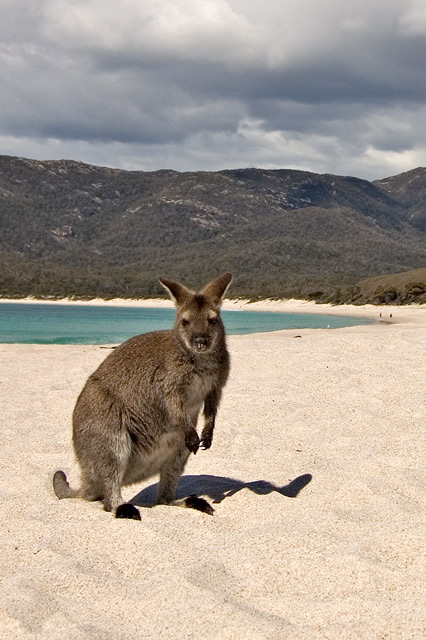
(194, 502)
(61, 487)
(128, 511)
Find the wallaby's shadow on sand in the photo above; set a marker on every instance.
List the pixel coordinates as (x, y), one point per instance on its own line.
(217, 488)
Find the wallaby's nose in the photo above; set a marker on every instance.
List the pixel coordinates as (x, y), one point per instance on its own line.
(201, 341)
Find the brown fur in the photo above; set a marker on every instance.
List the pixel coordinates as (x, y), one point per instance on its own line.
(137, 414)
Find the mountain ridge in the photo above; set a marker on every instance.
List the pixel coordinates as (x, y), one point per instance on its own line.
(73, 229)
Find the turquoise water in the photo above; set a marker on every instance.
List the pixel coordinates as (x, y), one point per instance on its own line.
(82, 324)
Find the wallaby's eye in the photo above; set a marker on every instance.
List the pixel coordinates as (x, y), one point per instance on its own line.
(185, 322)
(212, 320)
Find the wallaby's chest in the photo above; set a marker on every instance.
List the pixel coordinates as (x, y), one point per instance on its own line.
(198, 387)
(194, 393)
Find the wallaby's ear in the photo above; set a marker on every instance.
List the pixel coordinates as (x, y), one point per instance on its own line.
(217, 287)
(178, 292)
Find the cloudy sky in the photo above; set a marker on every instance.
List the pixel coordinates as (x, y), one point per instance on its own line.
(335, 86)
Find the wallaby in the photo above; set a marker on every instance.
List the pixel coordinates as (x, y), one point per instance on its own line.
(137, 413)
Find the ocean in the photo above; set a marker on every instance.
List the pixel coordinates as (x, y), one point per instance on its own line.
(83, 324)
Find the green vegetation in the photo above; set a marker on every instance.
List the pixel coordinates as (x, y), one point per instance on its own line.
(70, 229)
(398, 288)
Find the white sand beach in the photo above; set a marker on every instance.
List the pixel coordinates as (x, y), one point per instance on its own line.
(317, 474)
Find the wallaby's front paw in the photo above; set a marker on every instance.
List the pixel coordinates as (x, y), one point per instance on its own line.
(206, 439)
(192, 441)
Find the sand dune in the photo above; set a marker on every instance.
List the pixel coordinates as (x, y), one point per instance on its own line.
(317, 474)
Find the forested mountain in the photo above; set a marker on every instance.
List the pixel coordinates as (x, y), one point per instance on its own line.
(71, 229)
(409, 189)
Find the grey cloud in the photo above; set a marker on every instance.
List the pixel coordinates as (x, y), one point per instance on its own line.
(307, 84)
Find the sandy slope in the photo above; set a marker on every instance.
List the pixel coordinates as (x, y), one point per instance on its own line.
(317, 473)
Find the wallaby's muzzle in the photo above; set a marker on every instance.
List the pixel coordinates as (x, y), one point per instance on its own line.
(201, 342)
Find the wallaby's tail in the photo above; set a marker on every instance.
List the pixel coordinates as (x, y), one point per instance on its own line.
(62, 488)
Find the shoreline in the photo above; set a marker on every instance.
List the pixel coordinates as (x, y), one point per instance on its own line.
(384, 314)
